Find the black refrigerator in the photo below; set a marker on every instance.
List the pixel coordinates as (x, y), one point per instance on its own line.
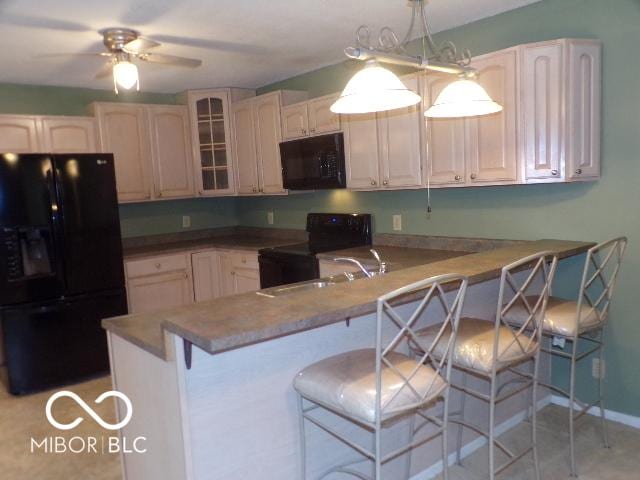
(61, 269)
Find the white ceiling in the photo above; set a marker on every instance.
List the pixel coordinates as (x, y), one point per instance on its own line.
(245, 43)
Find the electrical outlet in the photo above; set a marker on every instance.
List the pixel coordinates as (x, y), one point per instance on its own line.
(270, 218)
(597, 368)
(397, 222)
(186, 221)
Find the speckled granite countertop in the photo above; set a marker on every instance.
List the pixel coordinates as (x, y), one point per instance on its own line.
(239, 320)
(395, 257)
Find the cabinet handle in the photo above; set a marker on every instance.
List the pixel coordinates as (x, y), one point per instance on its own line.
(385, 182)
(244, 260)
(579, 171)
(473, 176)
(373, 182)
(254, 189)
(313, 130)
(158, 266)
(261, 190)
(457, 178)
(554, 173)
(304, 132)
(233, 273)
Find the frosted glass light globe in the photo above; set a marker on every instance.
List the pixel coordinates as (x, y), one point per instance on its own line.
(462, 98)
(374, 89)
(125, 74)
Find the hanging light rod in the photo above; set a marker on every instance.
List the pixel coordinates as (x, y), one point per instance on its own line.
(376, 89)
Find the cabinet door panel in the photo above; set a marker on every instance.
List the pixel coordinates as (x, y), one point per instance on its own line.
(295, 121)
(245, 148)
(246, 280)
(445, 147)
(584, 91)
(400, 144)
(541, 79)
(171, 147)
(206, 276)
(492, 139)
(19, 134)
(156, 292)
(321, 118)
(362, 151)
(268, 138)
(69, 135)
(123, 131)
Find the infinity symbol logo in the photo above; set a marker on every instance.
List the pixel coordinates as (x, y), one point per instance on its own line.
(89, 410)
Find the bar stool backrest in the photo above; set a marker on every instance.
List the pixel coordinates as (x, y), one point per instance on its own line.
(599, 278)
(403, 334)
(522, 337)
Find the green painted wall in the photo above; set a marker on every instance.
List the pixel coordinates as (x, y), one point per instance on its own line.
(594, 211)
(136, 219)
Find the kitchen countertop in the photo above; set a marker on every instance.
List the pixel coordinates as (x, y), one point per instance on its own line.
(231, 241)
(238, 320)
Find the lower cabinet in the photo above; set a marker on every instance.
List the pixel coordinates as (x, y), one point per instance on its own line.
(206, 275)
(239, 273)
(159, 282)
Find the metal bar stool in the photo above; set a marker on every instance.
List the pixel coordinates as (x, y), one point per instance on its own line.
(374, 387)
(488, 348)
(583, 321)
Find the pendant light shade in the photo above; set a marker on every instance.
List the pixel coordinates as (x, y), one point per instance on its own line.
(374, 89)
(463, 98)
(125, 75)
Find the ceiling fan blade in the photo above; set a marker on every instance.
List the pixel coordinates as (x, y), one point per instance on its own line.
(140, 45)
(170, 60)
(105, 71)
(54, 55)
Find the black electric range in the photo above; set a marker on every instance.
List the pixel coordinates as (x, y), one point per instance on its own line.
(327, 232)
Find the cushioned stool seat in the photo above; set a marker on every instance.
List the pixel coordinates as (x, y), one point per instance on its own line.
(347, 383)
(560, 317)
(474, 345)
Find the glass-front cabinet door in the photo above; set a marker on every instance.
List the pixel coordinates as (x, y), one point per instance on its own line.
(209, 111)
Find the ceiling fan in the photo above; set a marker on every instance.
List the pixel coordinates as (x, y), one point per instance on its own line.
(125, 45)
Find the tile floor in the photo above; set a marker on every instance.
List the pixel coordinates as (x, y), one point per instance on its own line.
(24, 417)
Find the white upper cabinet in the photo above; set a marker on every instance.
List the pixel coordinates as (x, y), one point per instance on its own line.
(19, 134)
(541, 75)
(362, 151)
(212, 138)
(124, 131)
(313, 117)
(171, 151)
(245, 148)
(400, 145)
(583, 100)
(491, 140)
(384, 150)
(69, 135)
(560, 110)
(268, 138)
(295, 121)
(444, 138)
(321, 118)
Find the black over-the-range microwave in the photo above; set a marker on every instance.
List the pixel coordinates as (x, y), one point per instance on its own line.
(313, 163)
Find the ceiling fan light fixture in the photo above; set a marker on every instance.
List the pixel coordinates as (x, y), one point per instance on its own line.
(463, 98)
(374, 89)
(125, 75)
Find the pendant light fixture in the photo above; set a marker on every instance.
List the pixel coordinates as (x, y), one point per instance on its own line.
(376, 89)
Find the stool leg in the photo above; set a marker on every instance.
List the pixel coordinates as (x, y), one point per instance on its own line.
(492, 432)
(534, 416)
(572, 399)
(445, 436)
(463, 401)
(377, 461)
(412, 426)
(601, 394)
(303, 442)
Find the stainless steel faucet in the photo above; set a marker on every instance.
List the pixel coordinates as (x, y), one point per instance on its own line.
(382, 266)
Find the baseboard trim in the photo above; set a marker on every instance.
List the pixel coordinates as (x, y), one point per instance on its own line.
(479, 442)
(611, 415)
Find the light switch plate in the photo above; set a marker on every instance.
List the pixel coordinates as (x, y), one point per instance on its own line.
(270, 218)
(186, 221)
(397, 222)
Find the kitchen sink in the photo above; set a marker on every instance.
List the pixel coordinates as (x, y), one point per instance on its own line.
(304, 286)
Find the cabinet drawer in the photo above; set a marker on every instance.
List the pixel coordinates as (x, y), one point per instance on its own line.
(155, 265)
(244, 260)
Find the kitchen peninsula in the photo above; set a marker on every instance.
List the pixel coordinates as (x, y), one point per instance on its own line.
(210, 383)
